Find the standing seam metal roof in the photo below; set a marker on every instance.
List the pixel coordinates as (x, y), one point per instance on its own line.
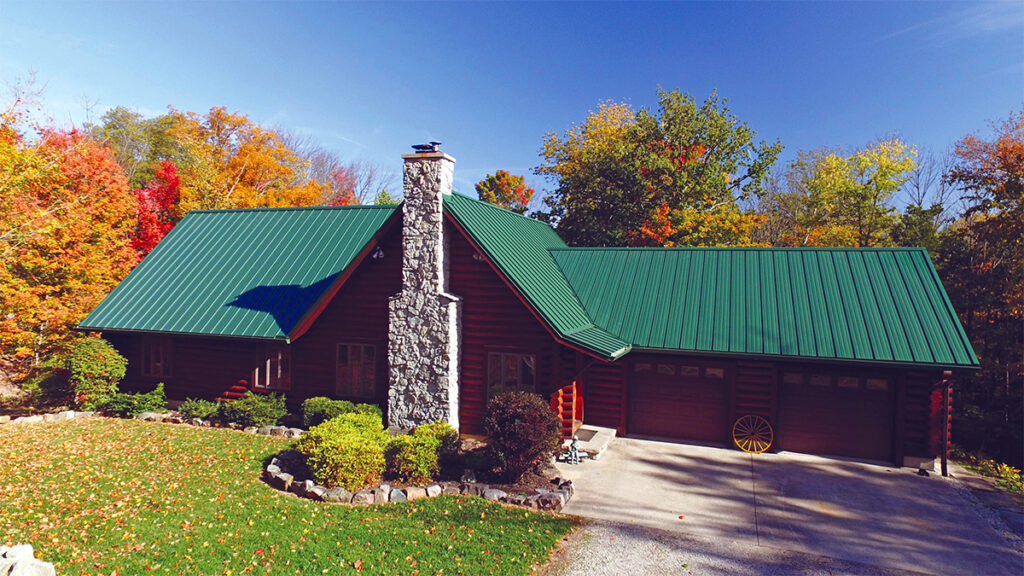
(246, 273)
(879, 305)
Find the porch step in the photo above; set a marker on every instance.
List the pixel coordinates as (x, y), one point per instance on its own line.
(594, 440)
(235, 392)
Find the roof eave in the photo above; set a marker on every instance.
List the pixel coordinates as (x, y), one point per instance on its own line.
(812, 359)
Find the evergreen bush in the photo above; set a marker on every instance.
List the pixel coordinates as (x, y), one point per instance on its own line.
(253, 410)
(321, 409)
(447, 437)
(198, 408)
(412, 458)
(128, 405)
(346, 451)
(94, 370)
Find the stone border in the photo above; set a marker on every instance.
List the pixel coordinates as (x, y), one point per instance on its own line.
(279, 475)
(166, 417)
(54, 417)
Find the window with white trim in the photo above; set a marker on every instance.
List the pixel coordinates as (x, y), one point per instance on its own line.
(156, 357)
(356, 371)
(274, 373)
(511, 371)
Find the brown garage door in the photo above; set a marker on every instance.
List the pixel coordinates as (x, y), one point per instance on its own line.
(678, 400)
(836, 415)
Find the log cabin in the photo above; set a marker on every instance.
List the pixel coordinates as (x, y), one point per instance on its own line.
(432, 307)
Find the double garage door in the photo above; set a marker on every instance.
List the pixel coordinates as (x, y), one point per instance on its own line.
(828, 414)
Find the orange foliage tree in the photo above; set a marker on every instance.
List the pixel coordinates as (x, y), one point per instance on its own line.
(66, 218)
(227, 161)
(505, 190)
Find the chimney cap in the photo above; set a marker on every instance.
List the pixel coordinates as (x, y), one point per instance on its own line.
(432, 146)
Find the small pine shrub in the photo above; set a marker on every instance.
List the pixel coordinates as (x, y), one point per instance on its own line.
(346, 451)
(321, 409)
(94, 369)
(447, 437)
(253, 410)
(198, 408)
(128, 405)
(523, 430)
(412, 458)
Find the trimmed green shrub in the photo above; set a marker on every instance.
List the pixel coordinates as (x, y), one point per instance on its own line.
(198, 408)
(126, 404)
(94, 369)
(253, 410)
(412, 458)
(523, 431)
(447, 438)
(321, 409)
(346, 451)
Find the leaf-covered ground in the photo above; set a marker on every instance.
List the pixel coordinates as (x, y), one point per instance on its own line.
(99, 496)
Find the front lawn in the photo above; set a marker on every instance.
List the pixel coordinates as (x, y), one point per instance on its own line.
(95, 496)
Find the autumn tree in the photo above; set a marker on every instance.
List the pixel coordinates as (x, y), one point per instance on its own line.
(157, 208)
(66, 218)
(847, 198)
(505, 190)
(668, 178)
(982, 267)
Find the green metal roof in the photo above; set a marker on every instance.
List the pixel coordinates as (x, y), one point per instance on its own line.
(882, 305)
(245, 273)
(520, 248)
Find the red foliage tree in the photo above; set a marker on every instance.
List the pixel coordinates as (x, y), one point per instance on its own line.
(158, 209)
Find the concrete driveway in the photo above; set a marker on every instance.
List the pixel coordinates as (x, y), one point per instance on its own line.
(882, 519)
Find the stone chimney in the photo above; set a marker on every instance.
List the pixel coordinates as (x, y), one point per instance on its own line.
(424, 335)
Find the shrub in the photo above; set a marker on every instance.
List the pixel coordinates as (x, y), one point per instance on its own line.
(447, 437)
(412, 458)
(253, 410)
(197, 408)
(94, 369)
(523, 430)
(47, 385)
(321, 409)
(346, 451)
(125, 404)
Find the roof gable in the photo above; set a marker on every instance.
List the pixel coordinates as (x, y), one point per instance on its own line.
(256, 273)
(882, 305)
(520, 248)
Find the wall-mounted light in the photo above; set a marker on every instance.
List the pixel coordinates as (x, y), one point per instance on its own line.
(478, 257)
(378, 254)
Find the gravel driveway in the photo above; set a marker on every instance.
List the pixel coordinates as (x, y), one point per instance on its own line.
(664, 508)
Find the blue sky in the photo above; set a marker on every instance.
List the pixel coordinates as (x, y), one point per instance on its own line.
(490, 79)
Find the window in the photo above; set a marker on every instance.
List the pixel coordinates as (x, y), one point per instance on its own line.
(274, 373)
(876, 384)
(506, 371)
(156, 357)
(716, 373)
(642, 367)
(793, 378)
(848, 382)
(820, 380)
(667, 369)
(356, 372)
(692, 371)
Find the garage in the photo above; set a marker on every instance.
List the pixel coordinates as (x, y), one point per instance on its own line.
(679, 400)
(836, 414)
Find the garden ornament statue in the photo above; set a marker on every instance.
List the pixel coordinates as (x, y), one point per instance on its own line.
(574, 451)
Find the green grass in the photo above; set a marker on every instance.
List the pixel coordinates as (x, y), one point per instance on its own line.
(98, 495)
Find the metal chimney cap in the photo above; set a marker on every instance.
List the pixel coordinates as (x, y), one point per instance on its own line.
(432, 146)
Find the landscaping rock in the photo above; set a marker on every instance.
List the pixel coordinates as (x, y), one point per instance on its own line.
(363, 498)
(551, 501)
(452, 489)
(282, 480)
(476, 489)
(338, 494)
(27, 419)
(382, 494)
(250, 430)
(415, 493)
(88, 414)
(514, 499)
(265, 430)
(277, 430)
(568, 487)
(293, 432)
(316, 493)
(174, 420)
(531, 501)
(235, 426)
(433, 490)
(5, 419)
(275, 461)
(151, 417)
(494, 495)
(398, 496)
(468, 476)
(49, 417)
(20, 560)
(302, 488)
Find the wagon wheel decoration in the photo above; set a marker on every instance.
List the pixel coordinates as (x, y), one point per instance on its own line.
(752, 433)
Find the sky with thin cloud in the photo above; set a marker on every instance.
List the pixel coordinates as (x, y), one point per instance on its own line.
(368, 80)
